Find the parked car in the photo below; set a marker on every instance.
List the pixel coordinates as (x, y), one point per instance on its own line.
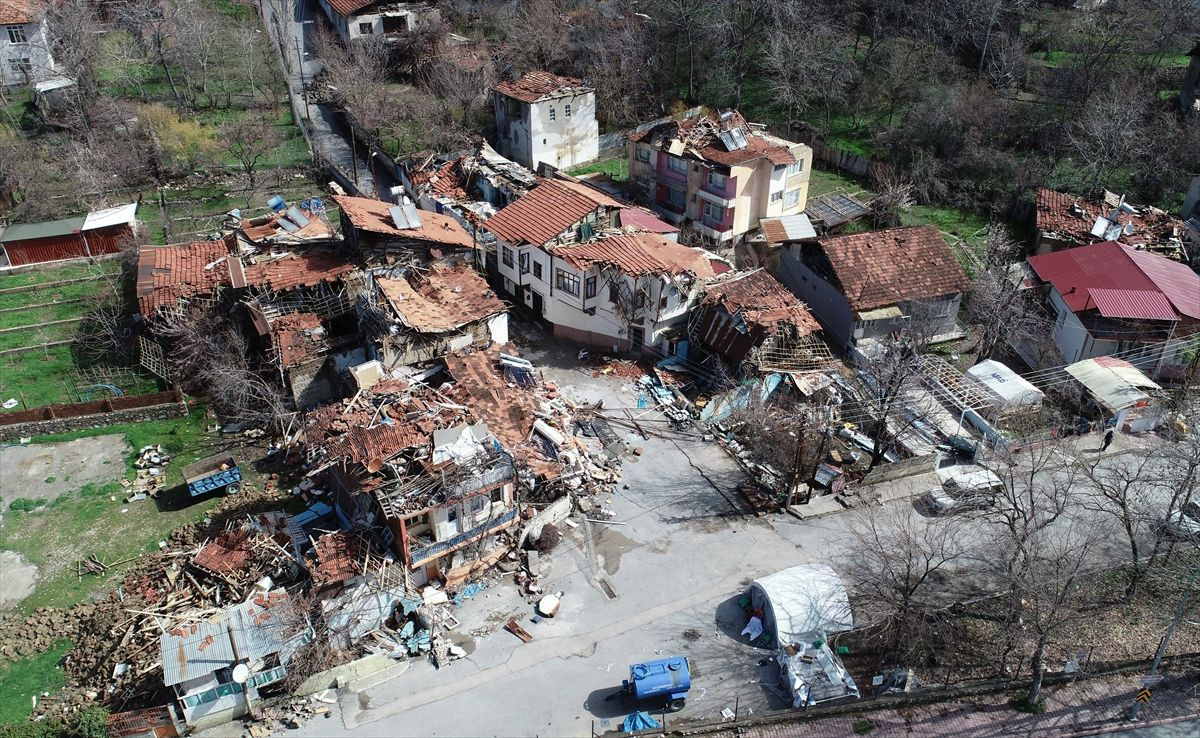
(964, 487)
(1184, 523)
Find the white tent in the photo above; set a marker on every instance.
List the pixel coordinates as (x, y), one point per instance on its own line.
(803, 603)
(1009, 386)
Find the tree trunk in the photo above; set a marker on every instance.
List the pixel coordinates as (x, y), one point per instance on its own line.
(1038, 667)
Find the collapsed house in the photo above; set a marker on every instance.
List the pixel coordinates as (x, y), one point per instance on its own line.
(750, 318)
(1062, 221)
(285, 225)
(426, 314)
(384, 234)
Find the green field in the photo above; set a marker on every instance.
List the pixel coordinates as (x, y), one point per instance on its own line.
(21, 680)
(617, 168)
(88, 521)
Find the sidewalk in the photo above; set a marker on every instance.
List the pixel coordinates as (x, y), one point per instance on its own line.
(1086, 708)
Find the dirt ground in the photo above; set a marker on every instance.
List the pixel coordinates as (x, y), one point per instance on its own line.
(46, 470)
(17, 578)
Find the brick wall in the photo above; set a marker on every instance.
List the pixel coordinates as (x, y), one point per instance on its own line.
(95, 414)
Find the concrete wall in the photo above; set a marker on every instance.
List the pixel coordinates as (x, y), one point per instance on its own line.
(328, 679)
(543, 132)
(35, 48)
(552, 514)
(827, 304)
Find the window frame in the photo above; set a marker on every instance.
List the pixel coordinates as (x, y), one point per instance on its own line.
(20, 65)
(643, 154)
(718, 208)
(567, 110)
(552, 114)
(506, 256)
(523, 261)
(366, 29)
(682, 198)
(614, 293)
(567, 282)
(794, 169)
(537, 270)
(14, 30)
(677, 164)
(793, 195)
(775, 197)
(589, 288)
(715, 177)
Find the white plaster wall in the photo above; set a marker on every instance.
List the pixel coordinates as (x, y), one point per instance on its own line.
(564, 142)
(36, 48)
(1069, 333)
(824, 301)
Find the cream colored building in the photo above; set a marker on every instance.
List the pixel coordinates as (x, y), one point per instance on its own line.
(718, 175)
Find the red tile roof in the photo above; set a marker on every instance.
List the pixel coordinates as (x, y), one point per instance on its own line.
(266, 229)
(533, 86)
(298, 336)
(442, 299)
(18, 12)
(372, 216)
(550, 208)
(168, 273)
(509, 413)
(637, 254)
(895, 265)
(761, 301)
(339, 556)
(304, 269)
(1072, 218)
(350, 7)
(227, 552)
(362, 444)
(445, 180)
(1123, 276)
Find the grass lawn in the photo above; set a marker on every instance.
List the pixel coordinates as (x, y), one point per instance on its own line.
(53, 274)
(88, 522)
(825, 181)
(617, 168)
(21, 680)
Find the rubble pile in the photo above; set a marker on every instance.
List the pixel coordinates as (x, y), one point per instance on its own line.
(151, 466)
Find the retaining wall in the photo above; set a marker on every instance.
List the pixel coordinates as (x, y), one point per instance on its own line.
(94, 414)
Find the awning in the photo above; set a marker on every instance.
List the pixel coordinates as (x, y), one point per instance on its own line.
(883, 313)
(1115, 383)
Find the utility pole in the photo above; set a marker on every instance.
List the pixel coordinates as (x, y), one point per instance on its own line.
(1162, 645)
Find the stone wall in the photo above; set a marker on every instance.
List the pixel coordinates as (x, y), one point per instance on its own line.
(94, 414)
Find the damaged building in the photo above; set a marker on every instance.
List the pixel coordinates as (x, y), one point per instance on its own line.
(1062, 220)
(380, 233)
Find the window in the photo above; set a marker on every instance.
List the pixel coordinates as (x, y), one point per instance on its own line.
(714, 212)
(537, 269)
(497, 495)
(717, 180)
(676, 199)
(567, 110)
(643, 153)
(795, 168)
(567, 282)
(791, 199)
(452, 514)
(524, 258)
(776, 196)
(477, 503)
(21, 65)
(614, 294)
(16, 35)
(590, 289)
(506, 255)
(552, 116)
(366, 29)
(675, 164)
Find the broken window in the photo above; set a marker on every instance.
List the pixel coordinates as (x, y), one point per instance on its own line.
(776, 196)
(497, 495)
(716, 180)
(590, 288)
(395, 23)
(567, 111)
(16, 35)
(525, 263)
(614, 294)
(791, 199)
(477, 503)
(552, 116)
(675, 164)
(21, 65)
(366, 29)
(675, 198)
(643, 153)
(506, 256)
(567, 282)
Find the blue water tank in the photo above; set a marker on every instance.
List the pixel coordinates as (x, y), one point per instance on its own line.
(277, 203)
(662, 677)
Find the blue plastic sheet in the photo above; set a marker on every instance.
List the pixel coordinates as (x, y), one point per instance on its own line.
(639, 721)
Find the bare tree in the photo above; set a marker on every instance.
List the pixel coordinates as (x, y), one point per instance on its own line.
(71, 27)
(893, 561)
(808, 61)
(464, 83)
(738, 25)
(1107, 135)
(684, 28)
(1122, 489)
(250, 142)
(999, 308)
(152, 24)
(888, 374)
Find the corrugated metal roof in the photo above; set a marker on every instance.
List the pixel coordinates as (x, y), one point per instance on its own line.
(194, 650)
(120, 215)
(1138, 304)
(788, 228)
(1114, 382)
(45, 229)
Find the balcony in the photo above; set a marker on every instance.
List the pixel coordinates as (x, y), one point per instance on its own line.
(706, 193)
(714, 230)
(419, 556)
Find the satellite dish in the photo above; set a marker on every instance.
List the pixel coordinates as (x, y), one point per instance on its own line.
(374, 465)
(241, 673)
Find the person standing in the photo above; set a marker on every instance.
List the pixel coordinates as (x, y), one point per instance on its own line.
(1108, 439)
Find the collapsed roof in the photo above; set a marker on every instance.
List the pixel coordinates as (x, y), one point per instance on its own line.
(723, 138)
(442, 299)
(375, 216)
(1064, 216)
(540, 85)
(639, 254)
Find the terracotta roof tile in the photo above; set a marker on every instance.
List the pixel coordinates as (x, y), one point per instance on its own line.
(338, 557)
(445, 180)
(509, 413)
(703, 140)
(227, 552)
(1072, 218)
(350, 7)
(533, 86)
(18, 12)
(298, 336)
(372, 216)
(547, 210)
(304, 269)
(361, 444)
(637, 254)
(168, 273)
(442, 299)
(266, 229)
(761, 301)
(895, 265)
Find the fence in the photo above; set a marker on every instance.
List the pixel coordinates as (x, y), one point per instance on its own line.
(92, 414)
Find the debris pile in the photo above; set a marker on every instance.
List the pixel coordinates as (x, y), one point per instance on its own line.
(151, 474)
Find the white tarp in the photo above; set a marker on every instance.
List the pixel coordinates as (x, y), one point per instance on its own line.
(120, 215)
(1011, 387)
(802, 603)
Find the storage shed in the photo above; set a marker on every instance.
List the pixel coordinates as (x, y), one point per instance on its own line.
(1012, 389)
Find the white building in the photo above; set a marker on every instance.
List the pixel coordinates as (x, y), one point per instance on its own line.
(545, 118)
(559, 254)
(24, 43)
(363, 18)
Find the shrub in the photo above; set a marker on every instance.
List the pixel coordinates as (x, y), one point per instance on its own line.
(548, 539)
(24, 504)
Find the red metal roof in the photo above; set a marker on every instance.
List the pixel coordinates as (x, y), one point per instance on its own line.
(547, 210)
(1137, 304)
(1078, 272)
(533, 86)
